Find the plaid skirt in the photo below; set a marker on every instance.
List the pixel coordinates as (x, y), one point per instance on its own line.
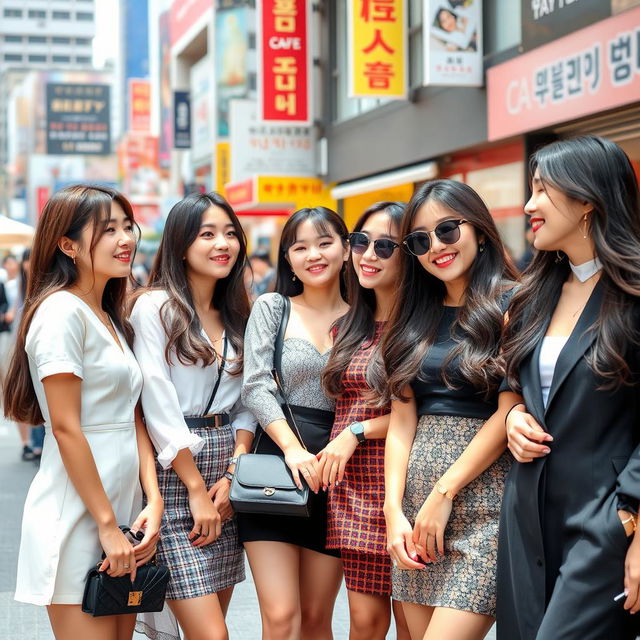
(198, 571)
(366, 572)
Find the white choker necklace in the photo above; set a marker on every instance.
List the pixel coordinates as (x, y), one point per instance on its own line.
(586, 270)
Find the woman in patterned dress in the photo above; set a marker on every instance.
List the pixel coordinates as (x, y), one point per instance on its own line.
(352, 464)
(445, 458)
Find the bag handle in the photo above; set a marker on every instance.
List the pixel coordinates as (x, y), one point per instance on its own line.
(220, 370)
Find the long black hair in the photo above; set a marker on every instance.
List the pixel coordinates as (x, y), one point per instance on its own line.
(180, 321)
(358, 324)
(419, 306)
(592, 170)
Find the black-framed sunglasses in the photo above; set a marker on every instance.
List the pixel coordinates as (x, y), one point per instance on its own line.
(383, 247)
(419, 242)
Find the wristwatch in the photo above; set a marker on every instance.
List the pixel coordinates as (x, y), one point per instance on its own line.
(357, 428)
(234, 460)
(443, 491)
(228, 475)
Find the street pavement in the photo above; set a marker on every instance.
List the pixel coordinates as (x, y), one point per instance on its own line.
(27, 622)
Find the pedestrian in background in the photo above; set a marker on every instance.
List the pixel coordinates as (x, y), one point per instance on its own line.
(352, 464)
(566, 536)
(296, 576)
(73, 369)
(445, 459)
(264, 275)
(189, 331)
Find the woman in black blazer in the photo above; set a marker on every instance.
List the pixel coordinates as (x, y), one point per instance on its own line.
(572, 348)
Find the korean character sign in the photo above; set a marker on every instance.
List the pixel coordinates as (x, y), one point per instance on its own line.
(377, 48)
(453, 43)
(284, 60)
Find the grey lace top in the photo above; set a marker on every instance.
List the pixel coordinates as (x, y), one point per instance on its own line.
(302, 365)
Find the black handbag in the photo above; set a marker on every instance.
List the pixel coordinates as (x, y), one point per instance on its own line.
(107, 596)
(262, 482)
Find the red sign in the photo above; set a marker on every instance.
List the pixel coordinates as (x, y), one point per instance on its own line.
(139, 105)
(184, 14)
(592, 70)
(284, 60)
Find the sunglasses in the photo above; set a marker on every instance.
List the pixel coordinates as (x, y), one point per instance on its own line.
(382, 247)
(419, 242)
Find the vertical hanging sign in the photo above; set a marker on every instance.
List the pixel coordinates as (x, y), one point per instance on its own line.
(284, 60)
(377, 49)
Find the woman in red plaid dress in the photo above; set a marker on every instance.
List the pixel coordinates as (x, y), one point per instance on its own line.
(352, 464)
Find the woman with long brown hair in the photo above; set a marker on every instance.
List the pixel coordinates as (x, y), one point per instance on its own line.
(189, 332)
(73, 369)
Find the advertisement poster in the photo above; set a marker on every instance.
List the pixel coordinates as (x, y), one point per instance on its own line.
(201, 110)
(453, 43)
(166, 129)
(139, 105)
(181, 120)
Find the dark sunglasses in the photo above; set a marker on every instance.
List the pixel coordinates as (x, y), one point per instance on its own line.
(419, 242)
(382, 247)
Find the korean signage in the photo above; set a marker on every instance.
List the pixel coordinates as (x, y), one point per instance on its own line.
(284, 60)
(78, 119)
(261, 147)
(202, 110)
(223, 166)
(184, 14)
(377, 48)
(592, 70)
(181, 120)
(139, 105)
(453, 43)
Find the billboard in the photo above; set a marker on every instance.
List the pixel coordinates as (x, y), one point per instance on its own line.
(78, 119)
(165, 107)
(139, 105)
(202, 110)
(184, 14)
(181, 120)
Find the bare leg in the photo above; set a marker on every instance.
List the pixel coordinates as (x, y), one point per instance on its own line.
(369, 616)
(276, 572)
(320, 578)
(68, 622)
(224, 597)
(200, 618)
(452, 624)
(402, 630)
(418, 617)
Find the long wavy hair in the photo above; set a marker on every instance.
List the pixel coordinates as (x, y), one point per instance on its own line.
(596, 171)
(66, 214)
(179, 318)
(323, 219)
(358, 325)
(419, 306)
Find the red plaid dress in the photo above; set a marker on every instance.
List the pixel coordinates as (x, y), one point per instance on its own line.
(356, 523)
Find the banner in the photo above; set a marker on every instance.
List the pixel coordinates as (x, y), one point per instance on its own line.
(181, 120)
(223, 166)
(202, 110)
(284, 61)
(166, 129)
(78, 119)
(377, 52)
(139, 105)
(452, 34)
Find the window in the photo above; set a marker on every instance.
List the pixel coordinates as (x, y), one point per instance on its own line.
(502, 26)
(60, 40)
(83, 59)
(61, 15)
(12, 13)
(37, 13)
(12, 57)
(83, 41)
(37, 39)
(13, 38)
(36, 57)
(84, 16)
(60, 59)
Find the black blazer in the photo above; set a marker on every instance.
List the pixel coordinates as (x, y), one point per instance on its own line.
(562, 546)
(4, 307)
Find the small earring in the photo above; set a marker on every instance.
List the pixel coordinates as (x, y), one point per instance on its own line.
(74, 259)
(294, 278)
(584, 233)
(481, 247)
(559, 257)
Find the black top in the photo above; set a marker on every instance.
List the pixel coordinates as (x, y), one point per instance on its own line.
(433, 397)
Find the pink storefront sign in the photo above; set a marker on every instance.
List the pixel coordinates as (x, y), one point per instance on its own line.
(589, 71)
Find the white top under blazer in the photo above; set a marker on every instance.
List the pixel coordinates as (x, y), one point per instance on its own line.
(59, 542)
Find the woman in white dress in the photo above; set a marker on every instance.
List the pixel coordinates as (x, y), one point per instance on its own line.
(189, 328)
(73, 370)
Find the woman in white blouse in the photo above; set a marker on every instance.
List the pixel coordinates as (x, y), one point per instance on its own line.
(73, 370)
(189, 327)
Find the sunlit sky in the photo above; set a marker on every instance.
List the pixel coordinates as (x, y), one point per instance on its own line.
(106, 42)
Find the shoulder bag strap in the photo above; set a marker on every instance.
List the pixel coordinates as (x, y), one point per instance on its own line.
(220, 371)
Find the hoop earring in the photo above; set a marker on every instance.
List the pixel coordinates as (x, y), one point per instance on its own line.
(559, 257)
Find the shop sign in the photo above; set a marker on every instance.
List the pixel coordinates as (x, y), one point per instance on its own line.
(284, 67)
(181, 120)
(184, 14)
(201, 109)
(223, 166)
(452, 32)
(78, 119)
(165, 94)
(139, 105)
(377, 51)
(592, 70)
(261, 147)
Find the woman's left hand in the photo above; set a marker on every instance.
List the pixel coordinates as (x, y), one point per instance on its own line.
(148, 521)
(219, 493)
(430, 524)
(334, 457)
(632, 576)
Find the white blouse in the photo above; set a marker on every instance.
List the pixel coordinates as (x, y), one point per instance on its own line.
(171, 392)
(549, 354)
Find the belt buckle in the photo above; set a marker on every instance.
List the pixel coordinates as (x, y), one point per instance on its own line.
(217, 419)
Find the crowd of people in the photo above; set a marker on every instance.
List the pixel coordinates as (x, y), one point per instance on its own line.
(469, 434)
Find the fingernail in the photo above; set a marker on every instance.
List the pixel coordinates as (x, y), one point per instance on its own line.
(413, 556)
(626, 592)
(324, 487)
(546, 450)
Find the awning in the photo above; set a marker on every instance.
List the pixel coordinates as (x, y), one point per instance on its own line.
(416, 173)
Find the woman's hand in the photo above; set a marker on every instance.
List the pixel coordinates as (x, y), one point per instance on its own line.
(632, 576)
(219, 493)
(300, 461)
(525, 437)
(400, 542)
(334, 457)
(431, 522)
(149, 522)
(121, 557)
(207, 524)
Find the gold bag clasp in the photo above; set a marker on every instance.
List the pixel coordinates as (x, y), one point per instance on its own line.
(135, 598)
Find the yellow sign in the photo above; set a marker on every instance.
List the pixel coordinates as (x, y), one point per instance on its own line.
(223, 166)
(377, 48)
(354, 206)
(300, 192)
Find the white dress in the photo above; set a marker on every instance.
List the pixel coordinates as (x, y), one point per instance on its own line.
(59, 541)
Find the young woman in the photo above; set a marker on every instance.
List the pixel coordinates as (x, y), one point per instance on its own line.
(352, 464)
(189, 330)
(74, 370)
(572, 348)
(444, 462)
(296, 577)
